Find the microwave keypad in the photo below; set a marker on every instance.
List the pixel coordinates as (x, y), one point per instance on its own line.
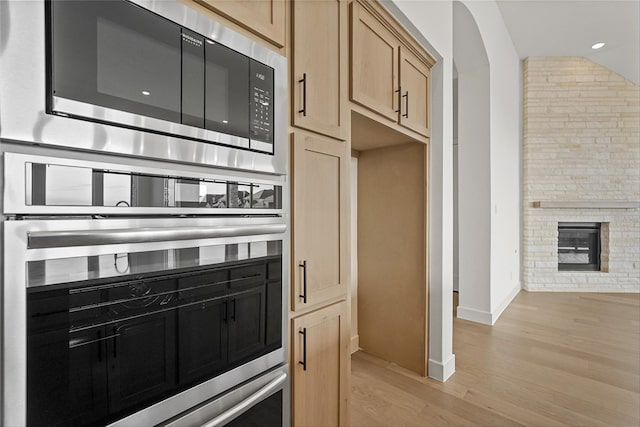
(260, 121)
(261, 128)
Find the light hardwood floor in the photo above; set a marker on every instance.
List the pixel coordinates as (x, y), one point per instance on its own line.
(552, 359)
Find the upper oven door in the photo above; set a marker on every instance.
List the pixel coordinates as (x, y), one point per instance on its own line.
(145, 78)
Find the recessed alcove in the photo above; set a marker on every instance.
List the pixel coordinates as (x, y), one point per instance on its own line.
(391, 301)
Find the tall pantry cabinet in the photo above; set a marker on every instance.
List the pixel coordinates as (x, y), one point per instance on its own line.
(320, 154)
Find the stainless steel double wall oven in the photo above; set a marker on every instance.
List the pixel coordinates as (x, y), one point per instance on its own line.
(145, 218)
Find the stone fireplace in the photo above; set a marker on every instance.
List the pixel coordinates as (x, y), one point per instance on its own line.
(581, 165)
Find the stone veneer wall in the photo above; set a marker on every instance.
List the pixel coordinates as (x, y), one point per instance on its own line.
(581, 142)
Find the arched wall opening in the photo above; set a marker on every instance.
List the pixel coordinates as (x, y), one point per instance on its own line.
(472, 165)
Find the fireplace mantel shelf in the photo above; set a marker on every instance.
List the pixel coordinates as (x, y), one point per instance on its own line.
(587, 204)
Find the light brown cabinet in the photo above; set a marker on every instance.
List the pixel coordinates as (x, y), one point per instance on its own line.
(265, 18)
(320, 228)
(414, 84)
(321, 367)
(386, 77)
(319, 44)
(374, 59)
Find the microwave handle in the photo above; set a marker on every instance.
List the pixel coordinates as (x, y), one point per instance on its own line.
(248, 403)
(62, 239)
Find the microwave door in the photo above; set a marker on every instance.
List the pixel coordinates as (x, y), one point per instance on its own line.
(227, 91)
(116, 55)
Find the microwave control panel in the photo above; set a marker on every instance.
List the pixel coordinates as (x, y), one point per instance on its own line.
(261, 114)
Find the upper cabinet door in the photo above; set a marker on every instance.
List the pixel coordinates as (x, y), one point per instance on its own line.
(374, 64)
(319, 46)
(265, 18)
(414, 81)
(320, 230)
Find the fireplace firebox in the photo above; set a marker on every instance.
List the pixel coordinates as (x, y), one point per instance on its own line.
(579, 246)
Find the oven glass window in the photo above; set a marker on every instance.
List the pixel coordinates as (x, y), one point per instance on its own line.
(121, 340)
(61, 185)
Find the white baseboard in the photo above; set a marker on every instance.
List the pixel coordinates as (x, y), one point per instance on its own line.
(474, 315)
(442, 371)
(599, 289)
(487, 317)
(355, 343)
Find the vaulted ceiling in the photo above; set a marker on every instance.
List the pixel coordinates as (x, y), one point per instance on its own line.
(570, 28)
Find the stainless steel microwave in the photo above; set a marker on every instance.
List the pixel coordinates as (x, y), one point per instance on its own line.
(143, 78)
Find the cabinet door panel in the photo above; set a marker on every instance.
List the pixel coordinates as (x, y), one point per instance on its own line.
(274, 314)
(414, 80)
(263, 17)
(67, 378)
(374, 64)
(320, 385)
(138, 375)
(318, 44)
(247, 324)
(320, 220)
(203, 340)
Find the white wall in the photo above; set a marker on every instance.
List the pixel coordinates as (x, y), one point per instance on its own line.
(505, 121)
(474, 195)
(489, 126)
(456, 210)
(431, 23)
(474, 178)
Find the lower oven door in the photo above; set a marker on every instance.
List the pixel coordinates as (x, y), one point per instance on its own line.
(136, 321)
(263, 401)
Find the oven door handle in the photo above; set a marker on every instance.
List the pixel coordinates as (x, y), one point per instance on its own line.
(62, 239)
(247, 403)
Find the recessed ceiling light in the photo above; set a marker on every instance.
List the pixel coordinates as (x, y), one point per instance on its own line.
(146, 93)
(597, 45)
(225, 121)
